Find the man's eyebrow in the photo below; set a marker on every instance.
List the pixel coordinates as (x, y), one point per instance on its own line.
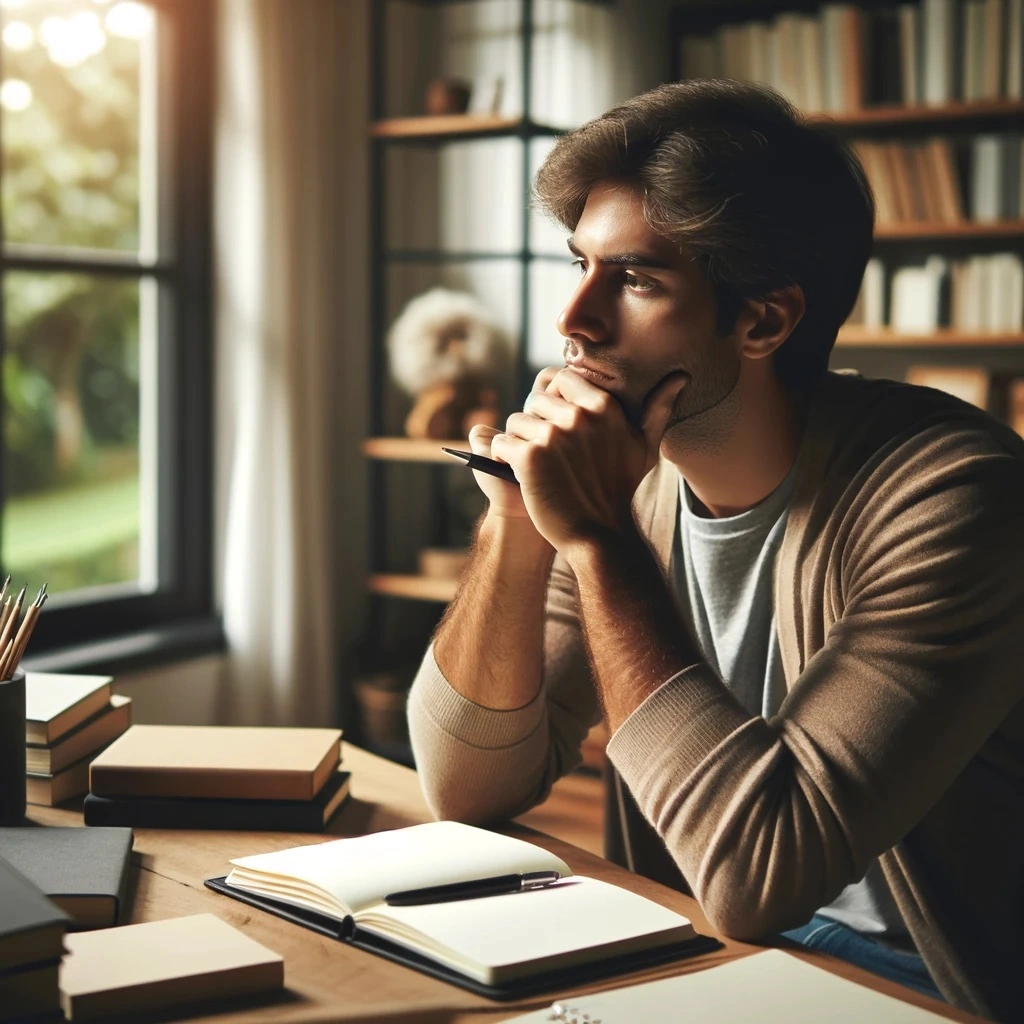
(627, 259)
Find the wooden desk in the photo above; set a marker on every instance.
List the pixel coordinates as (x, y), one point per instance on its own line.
(327, 980)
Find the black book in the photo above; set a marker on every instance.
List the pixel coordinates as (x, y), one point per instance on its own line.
(31, 927)
(84, 871)
(250, 815)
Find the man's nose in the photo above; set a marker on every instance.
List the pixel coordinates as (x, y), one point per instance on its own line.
(584, 314)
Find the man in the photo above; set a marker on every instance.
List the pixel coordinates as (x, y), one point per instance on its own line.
(796, 597)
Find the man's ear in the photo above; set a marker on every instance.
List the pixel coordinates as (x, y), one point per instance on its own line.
(764, 324)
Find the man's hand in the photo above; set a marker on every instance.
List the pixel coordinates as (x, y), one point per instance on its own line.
(578, 459)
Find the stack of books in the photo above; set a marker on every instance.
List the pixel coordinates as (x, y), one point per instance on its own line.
(31, 944)
(218, 777)
(69, 719)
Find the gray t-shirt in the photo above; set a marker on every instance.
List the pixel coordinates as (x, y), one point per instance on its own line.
(723, 573)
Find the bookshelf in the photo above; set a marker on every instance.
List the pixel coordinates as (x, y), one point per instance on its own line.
(908, 85)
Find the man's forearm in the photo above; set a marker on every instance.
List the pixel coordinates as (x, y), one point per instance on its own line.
(490, 644)
(635, 639)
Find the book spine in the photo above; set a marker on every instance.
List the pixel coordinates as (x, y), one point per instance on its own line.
(201, 815)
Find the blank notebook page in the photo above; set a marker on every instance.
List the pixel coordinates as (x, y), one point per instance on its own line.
(524, 927)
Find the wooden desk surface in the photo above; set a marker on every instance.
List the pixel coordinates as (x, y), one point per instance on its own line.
(329, 981)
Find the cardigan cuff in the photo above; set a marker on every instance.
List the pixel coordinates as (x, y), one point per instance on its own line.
(469, 722)
(684, 720)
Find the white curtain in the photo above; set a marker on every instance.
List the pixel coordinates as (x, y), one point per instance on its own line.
(291, 253)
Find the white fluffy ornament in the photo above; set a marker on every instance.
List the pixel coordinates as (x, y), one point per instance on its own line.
(444, 336)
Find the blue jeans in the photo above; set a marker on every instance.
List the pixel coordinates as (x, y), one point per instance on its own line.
(843, 942)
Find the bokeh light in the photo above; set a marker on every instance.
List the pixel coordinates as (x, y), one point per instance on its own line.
(129, 19)
(15, 94)
(18, 36)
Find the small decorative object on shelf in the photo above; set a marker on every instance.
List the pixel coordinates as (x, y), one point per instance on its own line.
(13, 641)
(970, 383)
(382, 698)
(447, 352)
(447, 96)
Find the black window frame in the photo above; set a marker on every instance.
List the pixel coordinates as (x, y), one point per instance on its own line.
(111, 629)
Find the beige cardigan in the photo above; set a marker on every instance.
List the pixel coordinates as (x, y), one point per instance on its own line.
(899, 595)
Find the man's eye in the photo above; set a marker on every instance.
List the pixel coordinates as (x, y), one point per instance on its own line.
(578, 262)
(637, 284)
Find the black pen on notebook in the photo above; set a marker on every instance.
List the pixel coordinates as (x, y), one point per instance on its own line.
(472, 890)
(484, 464)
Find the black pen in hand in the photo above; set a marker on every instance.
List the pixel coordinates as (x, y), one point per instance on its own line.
(484, 464)
(473, 889)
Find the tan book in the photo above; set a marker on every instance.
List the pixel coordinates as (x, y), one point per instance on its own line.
(214, 761)
(902, 186)
(56, 703)
(90, 736)
(50, 790)
(161, 964)
(941, 155)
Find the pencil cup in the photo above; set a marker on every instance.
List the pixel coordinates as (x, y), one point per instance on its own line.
(12, 749)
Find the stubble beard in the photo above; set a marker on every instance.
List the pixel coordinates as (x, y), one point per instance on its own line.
(706, 410)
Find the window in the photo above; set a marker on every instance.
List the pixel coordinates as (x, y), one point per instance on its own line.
(105, 326)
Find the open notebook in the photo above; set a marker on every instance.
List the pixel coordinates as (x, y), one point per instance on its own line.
(503, 946)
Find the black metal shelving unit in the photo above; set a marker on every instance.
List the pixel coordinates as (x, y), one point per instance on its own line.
(388, 457)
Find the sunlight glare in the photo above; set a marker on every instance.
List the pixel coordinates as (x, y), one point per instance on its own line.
(129, 19)
(15, 94)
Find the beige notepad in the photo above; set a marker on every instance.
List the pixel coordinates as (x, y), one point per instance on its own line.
(766, 988)
(227, 762)
(55, 703)
(161, 964)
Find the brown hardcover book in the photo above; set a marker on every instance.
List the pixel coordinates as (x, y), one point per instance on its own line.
(56, 703)
(228, 762)
(941, 155)
(91, 735)
(50, 790)
(925, 175)
(903, 187)
(161, 964)
(853, 40)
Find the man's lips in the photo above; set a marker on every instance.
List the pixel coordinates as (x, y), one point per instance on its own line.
(590, 373)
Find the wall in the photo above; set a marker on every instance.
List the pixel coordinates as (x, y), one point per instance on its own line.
(181, 693)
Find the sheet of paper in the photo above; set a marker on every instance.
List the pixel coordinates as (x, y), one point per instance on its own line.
(766, 988)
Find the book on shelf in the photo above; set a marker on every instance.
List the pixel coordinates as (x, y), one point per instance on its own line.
(56, 702)
(160, 965)
(502, 946)
(760, 987)
(250, 815)
(91, 735)
(914, 182)
(49, 790)
(985, 295)
(844, 56)
(217, 762)
(84, 871)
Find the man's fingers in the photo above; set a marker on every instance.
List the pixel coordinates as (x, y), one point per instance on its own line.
(548, 406)
(658, 408)
(480, 439)
(576, 389)
(544, 378)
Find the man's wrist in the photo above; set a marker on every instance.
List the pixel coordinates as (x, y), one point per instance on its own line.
(518, 535)
(602, 550)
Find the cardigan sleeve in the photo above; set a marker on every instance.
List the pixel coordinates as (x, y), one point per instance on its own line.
(769, 820)
(478, 764)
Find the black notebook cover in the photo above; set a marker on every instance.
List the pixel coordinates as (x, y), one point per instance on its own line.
(31, 927)
(250, 815)
(74, 862)
(535, 984)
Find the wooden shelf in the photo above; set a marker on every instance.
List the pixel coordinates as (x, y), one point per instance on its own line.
(412, 449)
(944, 337)
(455, 126)
(911, 230)
(984, 110)
(419, 588)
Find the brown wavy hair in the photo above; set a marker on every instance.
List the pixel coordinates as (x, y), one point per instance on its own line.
(762, 196)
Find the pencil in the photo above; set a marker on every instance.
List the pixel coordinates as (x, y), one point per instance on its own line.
(24, 635)
(484, 464)
(11, 622)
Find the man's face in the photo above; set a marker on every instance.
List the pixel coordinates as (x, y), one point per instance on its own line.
(643, 310)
